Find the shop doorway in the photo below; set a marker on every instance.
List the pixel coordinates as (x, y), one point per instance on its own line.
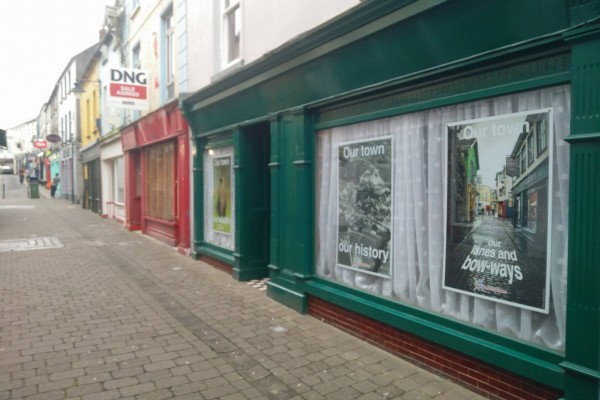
(92, 186)
(133, 183)
(253, 201)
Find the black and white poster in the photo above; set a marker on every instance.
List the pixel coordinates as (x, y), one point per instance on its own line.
(498, 201)
(365, 206)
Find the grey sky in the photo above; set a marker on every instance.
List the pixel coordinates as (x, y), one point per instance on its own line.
(37, 40)
(496, 138)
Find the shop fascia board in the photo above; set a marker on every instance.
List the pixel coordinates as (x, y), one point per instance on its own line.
(550, 43)
(110, 137)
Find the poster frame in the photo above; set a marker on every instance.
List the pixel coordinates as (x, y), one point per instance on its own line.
(215, 223)
(390, 240)
(549, 179)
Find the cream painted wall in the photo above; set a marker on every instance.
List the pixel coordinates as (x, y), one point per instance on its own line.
(145, 28)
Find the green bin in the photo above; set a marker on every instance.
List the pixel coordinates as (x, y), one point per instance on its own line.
(34, 190)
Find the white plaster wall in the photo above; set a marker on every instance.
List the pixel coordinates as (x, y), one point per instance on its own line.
(267, 25)
(67, 103)
(200, 44)
(22, 134)
(44, 119)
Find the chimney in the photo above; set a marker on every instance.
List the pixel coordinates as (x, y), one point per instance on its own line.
(101, 33)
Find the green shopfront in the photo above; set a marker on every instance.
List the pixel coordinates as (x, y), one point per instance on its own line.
(422, 174)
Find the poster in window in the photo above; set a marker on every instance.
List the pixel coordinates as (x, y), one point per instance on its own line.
(498, 201)
(365, 206)
(222, 195)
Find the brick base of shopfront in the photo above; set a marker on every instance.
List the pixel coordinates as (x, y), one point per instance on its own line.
(492, 382)
(220, 265)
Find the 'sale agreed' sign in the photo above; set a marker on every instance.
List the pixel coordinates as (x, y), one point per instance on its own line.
(128, 88)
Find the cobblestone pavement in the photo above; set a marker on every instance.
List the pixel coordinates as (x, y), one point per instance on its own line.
(91, 311)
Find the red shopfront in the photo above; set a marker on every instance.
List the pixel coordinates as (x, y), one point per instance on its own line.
(156, 150)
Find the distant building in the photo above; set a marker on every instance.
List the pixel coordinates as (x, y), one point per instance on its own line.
(20, 144)
(504, 190)
(530, 188)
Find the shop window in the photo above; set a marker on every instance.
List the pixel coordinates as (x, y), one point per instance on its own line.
(532, 210)
(530, 149)
(159, 165)
(136, 61)
(219, 197)
(542, 136)
(399, 214)
(119, 179)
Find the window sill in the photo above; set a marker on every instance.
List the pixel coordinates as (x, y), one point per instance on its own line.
(228, 69)
(135, 12)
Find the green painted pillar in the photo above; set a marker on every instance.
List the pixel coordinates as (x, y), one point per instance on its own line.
(292, 209)
(275, 171)
(240, 185)
(582, 353)
(197, 196)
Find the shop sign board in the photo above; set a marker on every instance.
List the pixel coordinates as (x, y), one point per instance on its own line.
(512, 166)
(128, 89)
(364, 212)
(222, 195)
(40, 144)
(53, 138)
(486, 255)
(66, 153)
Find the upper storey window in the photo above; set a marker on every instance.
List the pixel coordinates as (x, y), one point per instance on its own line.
(169, 53)
(232, 19)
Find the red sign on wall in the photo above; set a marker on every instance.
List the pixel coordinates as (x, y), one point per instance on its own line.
(40, 144)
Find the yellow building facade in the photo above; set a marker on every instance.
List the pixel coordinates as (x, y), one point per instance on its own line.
(89, 106)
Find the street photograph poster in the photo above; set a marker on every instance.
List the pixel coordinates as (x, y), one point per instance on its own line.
(222, 195)
(365, 206)
(498, 201)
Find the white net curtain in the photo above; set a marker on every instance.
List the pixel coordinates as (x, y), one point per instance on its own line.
(420, 152)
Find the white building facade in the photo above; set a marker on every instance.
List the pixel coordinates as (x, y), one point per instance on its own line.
(20, 147)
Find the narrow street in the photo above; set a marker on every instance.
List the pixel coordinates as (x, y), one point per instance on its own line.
(91, 311)
(496, 241)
